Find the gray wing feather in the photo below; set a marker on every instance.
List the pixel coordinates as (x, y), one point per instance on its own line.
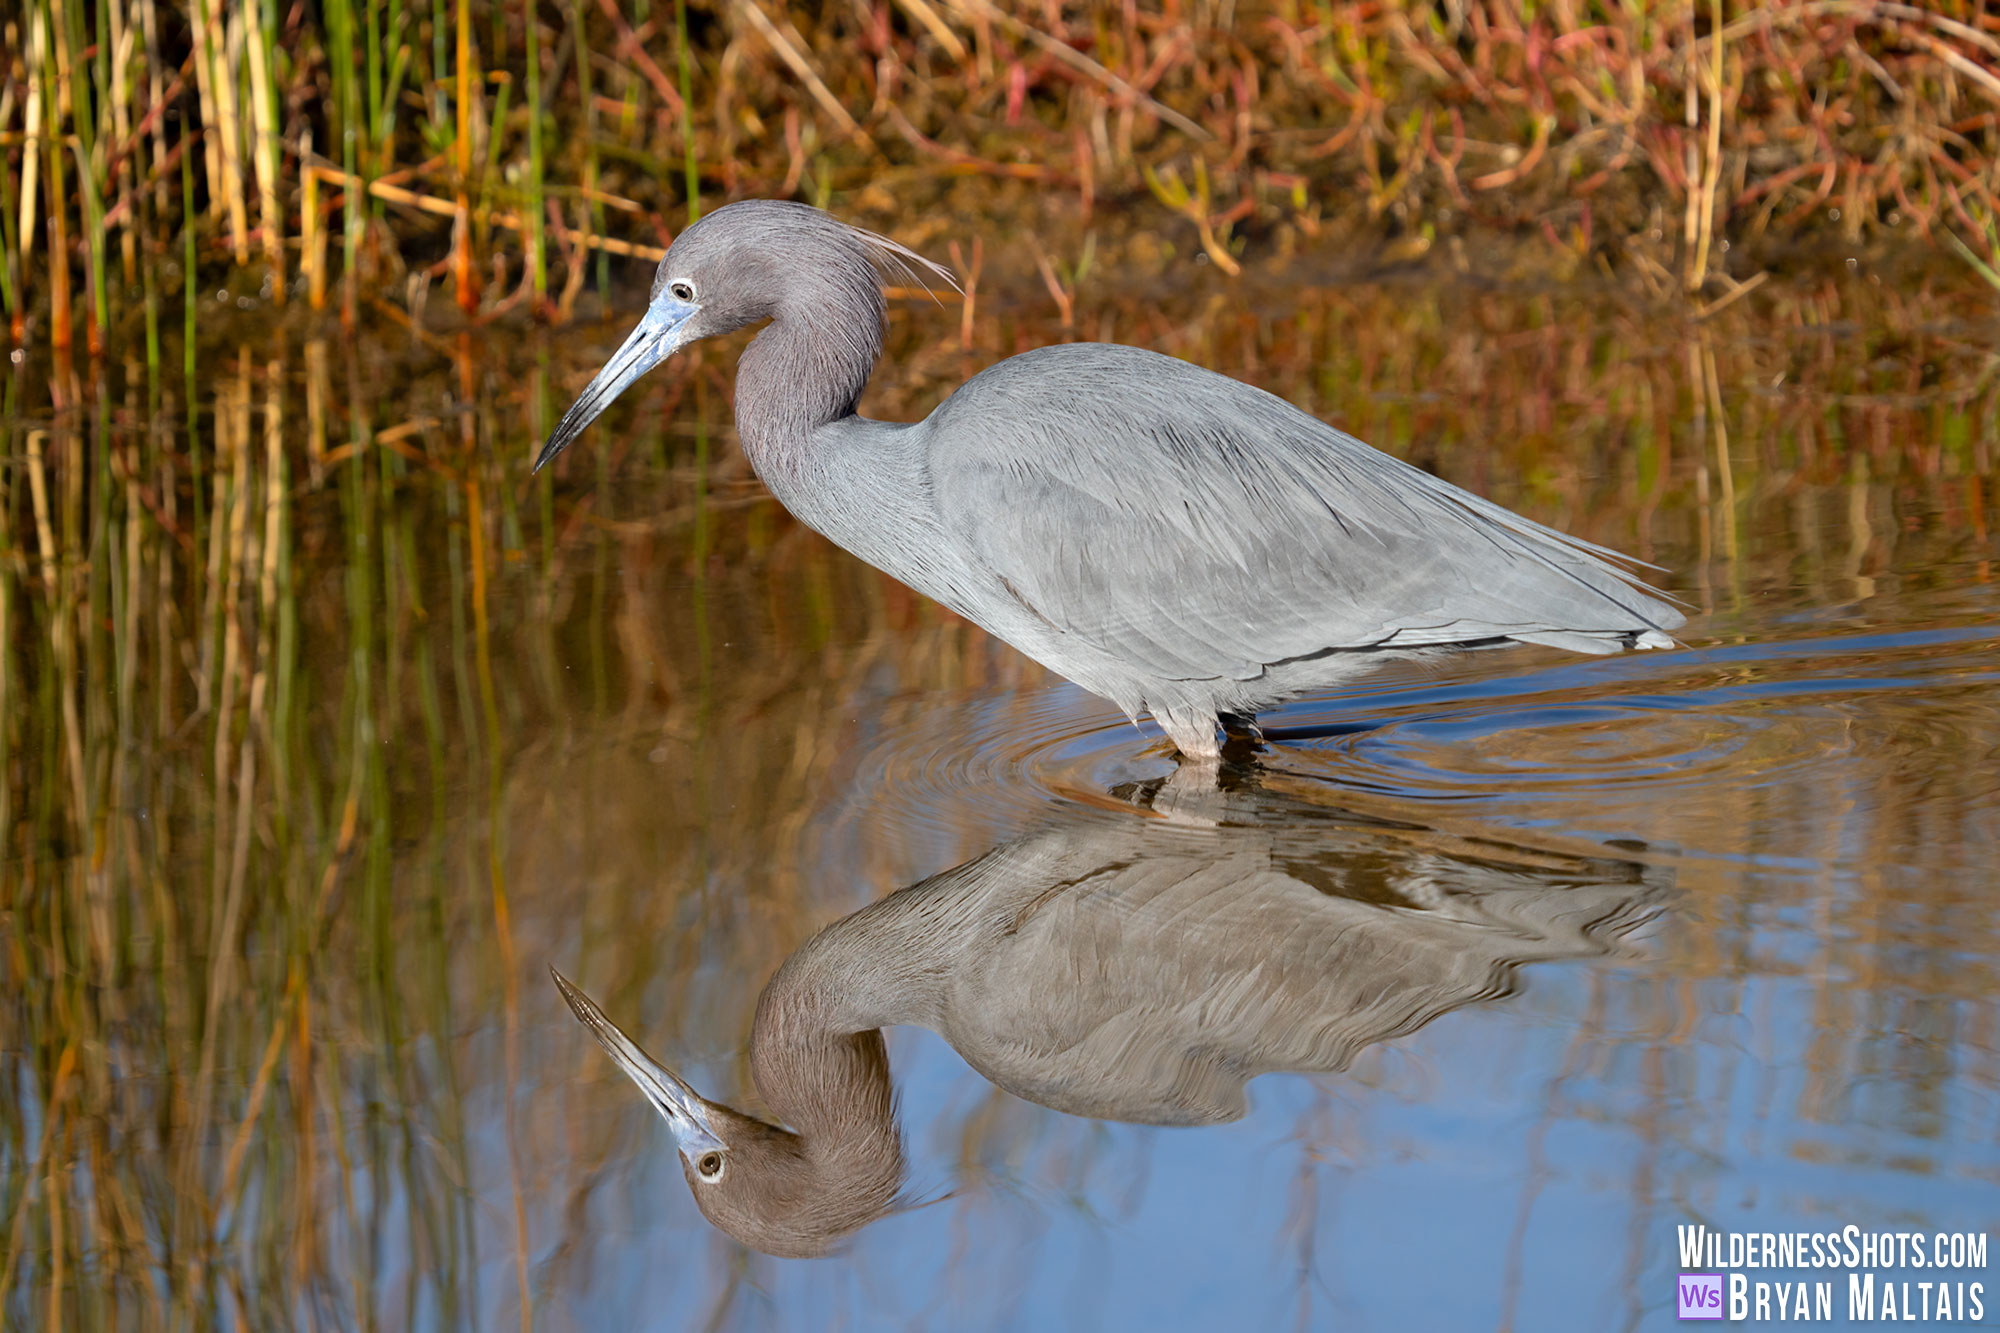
(1172, 516)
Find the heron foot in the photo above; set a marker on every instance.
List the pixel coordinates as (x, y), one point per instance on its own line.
(1240, 726)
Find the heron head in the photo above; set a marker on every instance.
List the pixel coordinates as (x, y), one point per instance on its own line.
(740, 265)
(756, 1182)
(682, 310)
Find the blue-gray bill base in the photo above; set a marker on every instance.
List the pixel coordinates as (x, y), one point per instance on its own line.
(1171, 539)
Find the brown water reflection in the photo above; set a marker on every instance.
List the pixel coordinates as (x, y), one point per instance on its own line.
(326, 730)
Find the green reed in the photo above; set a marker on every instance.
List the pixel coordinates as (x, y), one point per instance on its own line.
(684, 66)
(537, 257)
(10, 259)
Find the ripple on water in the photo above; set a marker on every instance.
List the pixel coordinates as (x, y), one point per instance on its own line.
(934, 761)
(1600, 743)
(1580, 742)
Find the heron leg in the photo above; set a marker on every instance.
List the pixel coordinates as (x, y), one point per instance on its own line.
(1192, 731)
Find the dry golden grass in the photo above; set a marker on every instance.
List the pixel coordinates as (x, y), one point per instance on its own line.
(504, 150)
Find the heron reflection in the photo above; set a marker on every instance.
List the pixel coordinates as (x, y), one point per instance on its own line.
(1121, 968)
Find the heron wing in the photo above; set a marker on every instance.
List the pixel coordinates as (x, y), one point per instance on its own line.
(1177, 518)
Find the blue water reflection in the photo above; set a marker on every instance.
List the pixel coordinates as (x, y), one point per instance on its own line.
(1804, 1040)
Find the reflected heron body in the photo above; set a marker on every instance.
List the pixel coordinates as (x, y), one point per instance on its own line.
(1171, 539)
(1131, 971)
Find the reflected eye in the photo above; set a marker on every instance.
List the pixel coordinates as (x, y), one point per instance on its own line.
(685, 293)
(709, 1168)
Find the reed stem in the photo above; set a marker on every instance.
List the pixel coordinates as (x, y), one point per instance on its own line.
(537, 243)
(684, 59)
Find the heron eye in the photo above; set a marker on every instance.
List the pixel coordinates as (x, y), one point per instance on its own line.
(682, 291)
(709, 1168)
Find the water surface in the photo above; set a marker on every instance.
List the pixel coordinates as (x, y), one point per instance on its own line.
(328, 731)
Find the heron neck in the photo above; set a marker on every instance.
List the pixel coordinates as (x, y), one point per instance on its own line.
(806, 369)
(822, 1075)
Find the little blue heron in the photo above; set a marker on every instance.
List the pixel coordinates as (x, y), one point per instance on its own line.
(1169, 538)
(1120, 969)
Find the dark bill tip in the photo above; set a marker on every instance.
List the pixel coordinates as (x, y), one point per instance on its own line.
(561, 437)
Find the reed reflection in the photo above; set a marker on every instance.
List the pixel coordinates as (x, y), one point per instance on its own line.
(319, 728)
(1121, 968)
